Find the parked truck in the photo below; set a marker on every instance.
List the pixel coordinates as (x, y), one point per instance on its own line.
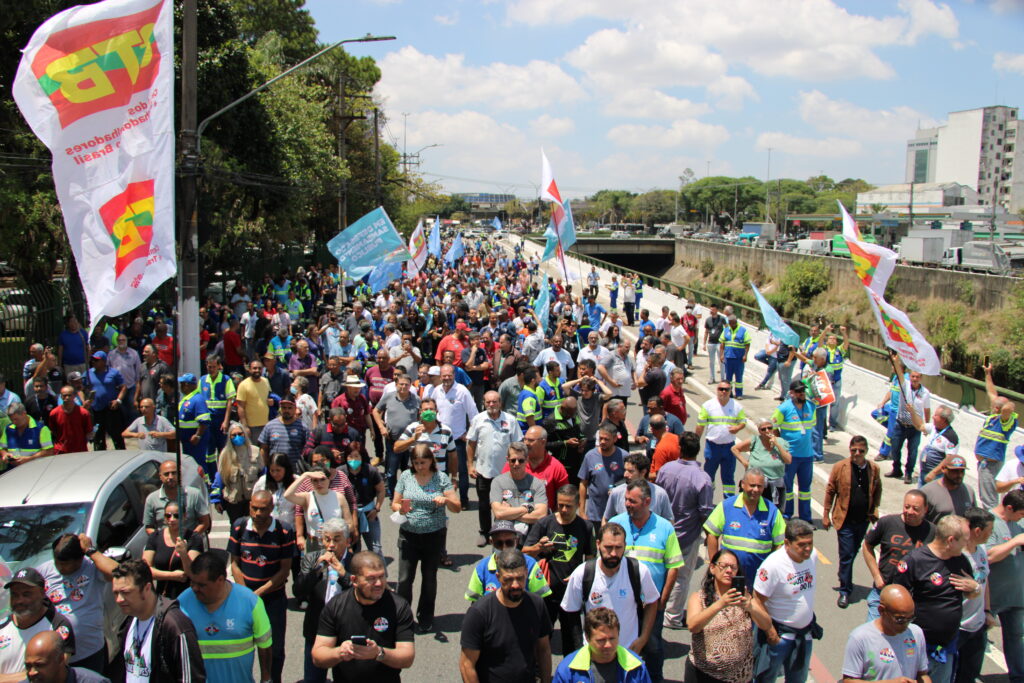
(763, 234)
(922, 251)
(980, 256)
(817, 247)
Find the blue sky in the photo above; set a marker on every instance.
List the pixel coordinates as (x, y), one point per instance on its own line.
(626, 94)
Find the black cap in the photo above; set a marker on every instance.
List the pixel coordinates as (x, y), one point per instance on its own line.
(797, 385)
(27, 576)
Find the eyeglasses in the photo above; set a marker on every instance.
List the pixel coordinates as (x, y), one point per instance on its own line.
(516, 461)
(172, 515)
(724, 388)
(901, 618)
(764, 429)
(859, 450)
(727, 567)
(499, 545)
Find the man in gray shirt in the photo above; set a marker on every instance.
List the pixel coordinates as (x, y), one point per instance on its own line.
(197, 510)
(393, 414)
(887, 648)
(517, 495)
(948, 495)
(617, 371)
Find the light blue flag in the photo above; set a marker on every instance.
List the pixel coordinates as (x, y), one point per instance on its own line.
(383, 275)
(542, 306)
(456, 251)
(551, 246)
(567, 229)
(496, 223)
(434, 242)
(776, 325)
(367, 243)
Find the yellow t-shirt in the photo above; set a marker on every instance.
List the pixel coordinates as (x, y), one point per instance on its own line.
(254, 396)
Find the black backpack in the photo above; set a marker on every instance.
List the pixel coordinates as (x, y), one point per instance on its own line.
(633, 569)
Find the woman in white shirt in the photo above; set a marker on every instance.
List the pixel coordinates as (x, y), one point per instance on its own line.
(278, 479)
(318, 505)
(305, 403)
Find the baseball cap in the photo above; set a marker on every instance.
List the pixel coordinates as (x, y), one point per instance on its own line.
(286, 400)
(100, 355)
(74, 376)
(797, 385)
(434, 371)
(502, 525)
(187, 377)
(956, 463)
(461, 326)
(27, 576)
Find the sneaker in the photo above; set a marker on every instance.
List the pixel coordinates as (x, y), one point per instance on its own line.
(881, 458)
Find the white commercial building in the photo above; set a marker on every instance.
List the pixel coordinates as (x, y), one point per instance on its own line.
(976, 148)
(925, 197)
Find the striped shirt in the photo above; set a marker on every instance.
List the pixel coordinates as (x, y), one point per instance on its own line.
(260, 555)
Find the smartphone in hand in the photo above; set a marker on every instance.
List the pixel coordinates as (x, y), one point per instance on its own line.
(358, 640)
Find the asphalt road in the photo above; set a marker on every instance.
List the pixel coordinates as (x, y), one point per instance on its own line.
(437, 653)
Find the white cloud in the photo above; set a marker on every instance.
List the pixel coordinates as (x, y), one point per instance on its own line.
(549, 126)
(447, 19)
(730, 92)
(1009, 61)
(412, 80)
(1007, 6)
(688, 132)
(830, 147)
(927, 18)
(647, 103)
(844, 118)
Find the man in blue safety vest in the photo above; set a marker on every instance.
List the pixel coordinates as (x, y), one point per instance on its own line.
(795, 421)
(837, 355)
(735, 344)
(994, 437)
(193, 421)
(219, 392)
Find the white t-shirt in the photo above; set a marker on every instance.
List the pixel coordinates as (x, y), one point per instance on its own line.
(137, 651)
(596, 354)
(614, 592)
(679, 336)
(13, 640)
(788, 587)
(973, 617)
(1011, 469)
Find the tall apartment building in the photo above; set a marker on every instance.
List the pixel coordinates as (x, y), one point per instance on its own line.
(977, 148)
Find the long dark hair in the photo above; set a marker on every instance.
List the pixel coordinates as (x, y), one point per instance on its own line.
(708, 587)
(284, 462)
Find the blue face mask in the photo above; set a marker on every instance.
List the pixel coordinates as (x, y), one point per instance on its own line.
(238, 439)
(355, 464)
(295, 391)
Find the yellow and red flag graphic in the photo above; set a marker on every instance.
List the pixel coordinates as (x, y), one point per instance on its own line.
(96, 85)
(901, 336)
(872, 263)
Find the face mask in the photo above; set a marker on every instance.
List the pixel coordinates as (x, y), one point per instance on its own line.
(294, 391)
(354, 464)
(238, 439)
(428, 415)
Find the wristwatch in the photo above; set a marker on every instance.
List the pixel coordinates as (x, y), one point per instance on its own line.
(380, 655)
(529, 508)
(90, 551)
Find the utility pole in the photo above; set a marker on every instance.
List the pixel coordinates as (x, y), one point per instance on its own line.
(766, 178)
(343, 187)
(405, 142)
(910, 209)
(376, 155)
(188, 266)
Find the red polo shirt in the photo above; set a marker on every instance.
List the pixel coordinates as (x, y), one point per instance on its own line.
(674, 403)
(70, 431)
(552, 472)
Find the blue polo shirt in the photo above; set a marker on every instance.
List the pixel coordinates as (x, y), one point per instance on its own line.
(106, 384)
(655, 544)
(229, 636)
(594, 313)
(751, 537)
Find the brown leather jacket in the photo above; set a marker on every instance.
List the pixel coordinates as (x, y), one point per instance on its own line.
(837, 492)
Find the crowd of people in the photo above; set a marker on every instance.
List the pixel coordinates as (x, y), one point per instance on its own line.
(315, 417)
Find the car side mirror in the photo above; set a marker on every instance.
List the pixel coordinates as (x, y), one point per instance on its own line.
(118, 553)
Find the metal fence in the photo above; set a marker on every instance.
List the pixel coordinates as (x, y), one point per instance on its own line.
(33, 313)
(972, 391)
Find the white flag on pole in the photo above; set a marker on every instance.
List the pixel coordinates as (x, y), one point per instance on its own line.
(96, 85)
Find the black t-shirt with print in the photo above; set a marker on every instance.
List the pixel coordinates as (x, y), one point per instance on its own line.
(386, 622)
(896, 539)
(938, 605)
(572, 542)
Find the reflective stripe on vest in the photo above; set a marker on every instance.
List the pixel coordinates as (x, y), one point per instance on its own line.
(735, 339)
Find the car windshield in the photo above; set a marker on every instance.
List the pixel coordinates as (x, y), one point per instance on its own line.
(26, 532)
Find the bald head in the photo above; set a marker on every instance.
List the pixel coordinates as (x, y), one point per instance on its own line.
(896, 598)
(263, 497)
(44, 658)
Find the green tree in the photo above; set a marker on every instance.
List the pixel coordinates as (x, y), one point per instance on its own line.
(612, 205)
(656, 206)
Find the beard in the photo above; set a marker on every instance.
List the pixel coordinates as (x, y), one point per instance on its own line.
(611, 562)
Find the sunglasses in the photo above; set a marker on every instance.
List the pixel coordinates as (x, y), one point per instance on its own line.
(858, 450)
(172, 515)
(498, 545)
(764, 429)
(516, 461)
(724, 389)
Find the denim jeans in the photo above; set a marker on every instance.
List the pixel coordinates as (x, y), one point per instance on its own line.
(943, 672)
(311, 673)
(874, 598)
(850, 538)
(835, 408)
(789, 657)
(395, 463)
(801, 470)
(785, 377)
(772, 362)
(818, 435)
(276, 604)
(970, 655)
(1012, 621)
(425, 550)
(720, 455)
(899, 435)
(713, 362)
(653, 653)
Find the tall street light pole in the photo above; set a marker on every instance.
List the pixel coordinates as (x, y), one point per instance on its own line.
(187, 332)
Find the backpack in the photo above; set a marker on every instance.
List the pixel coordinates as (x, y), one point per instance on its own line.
(633, 569)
